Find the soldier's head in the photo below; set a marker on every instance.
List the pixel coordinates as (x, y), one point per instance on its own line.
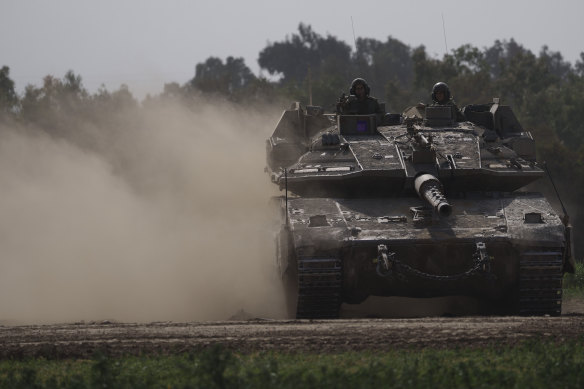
(359, 88)
(440, 93)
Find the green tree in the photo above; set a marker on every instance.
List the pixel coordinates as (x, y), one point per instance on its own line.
(580, 65)
(227, 79)
(39, 105)
(501, 53)
(8, 98)
(383, 62)
(306, 50)
(327, 59)
(58, 107)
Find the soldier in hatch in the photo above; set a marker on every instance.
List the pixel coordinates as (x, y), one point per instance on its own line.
(359, 102)
(441, 96)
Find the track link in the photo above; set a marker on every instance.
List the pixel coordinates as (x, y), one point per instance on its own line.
(319, 288)
(540, 282)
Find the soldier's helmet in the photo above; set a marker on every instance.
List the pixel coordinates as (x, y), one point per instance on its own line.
(440, 87)
(362, 82)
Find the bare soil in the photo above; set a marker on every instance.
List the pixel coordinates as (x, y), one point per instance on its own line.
(82, 340)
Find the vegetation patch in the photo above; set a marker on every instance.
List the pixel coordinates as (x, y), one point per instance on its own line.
(534, 364)
(574, 283)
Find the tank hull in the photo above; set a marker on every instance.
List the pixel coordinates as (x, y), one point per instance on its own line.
(335, 251)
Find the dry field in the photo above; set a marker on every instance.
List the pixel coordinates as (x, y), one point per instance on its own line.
(83, 339)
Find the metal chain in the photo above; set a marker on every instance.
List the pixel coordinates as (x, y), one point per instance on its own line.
(481, 264)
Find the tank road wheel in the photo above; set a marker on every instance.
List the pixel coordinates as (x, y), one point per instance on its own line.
(312, 286)
(319, 288)
(287, 270)
(507, 305)
(540, 282)
(290, 284)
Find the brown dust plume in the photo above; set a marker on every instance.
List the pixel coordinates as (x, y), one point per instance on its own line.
(164, 217)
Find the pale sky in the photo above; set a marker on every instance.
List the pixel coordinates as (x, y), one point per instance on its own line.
(146, 43)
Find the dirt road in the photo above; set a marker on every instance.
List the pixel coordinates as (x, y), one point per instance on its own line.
(83, 339)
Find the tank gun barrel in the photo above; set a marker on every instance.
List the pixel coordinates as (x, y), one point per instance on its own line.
(422, 140)
(429, 188)
(413, 130)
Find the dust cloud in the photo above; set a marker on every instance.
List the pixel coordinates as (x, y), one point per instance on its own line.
(162, 218)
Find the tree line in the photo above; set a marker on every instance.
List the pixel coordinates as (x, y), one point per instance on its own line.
(545, 91)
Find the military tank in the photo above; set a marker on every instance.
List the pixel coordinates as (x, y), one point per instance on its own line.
(414, 205)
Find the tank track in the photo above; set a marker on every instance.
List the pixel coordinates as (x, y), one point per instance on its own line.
(540, 282)
(319, 288)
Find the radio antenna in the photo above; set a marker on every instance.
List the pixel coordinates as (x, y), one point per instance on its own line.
(286, 182)
(444, 30)
(354, 39)
(309, 85)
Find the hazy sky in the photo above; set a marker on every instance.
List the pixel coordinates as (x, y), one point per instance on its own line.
(146, 43)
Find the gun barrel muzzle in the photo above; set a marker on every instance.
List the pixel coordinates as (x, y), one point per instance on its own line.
(429, 188)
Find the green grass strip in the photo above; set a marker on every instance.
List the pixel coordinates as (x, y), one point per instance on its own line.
(534, 364)
(574, 283)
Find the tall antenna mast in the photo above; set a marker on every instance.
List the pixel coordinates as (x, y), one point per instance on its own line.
(309, 85)
(444, 30)
(354, 39)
